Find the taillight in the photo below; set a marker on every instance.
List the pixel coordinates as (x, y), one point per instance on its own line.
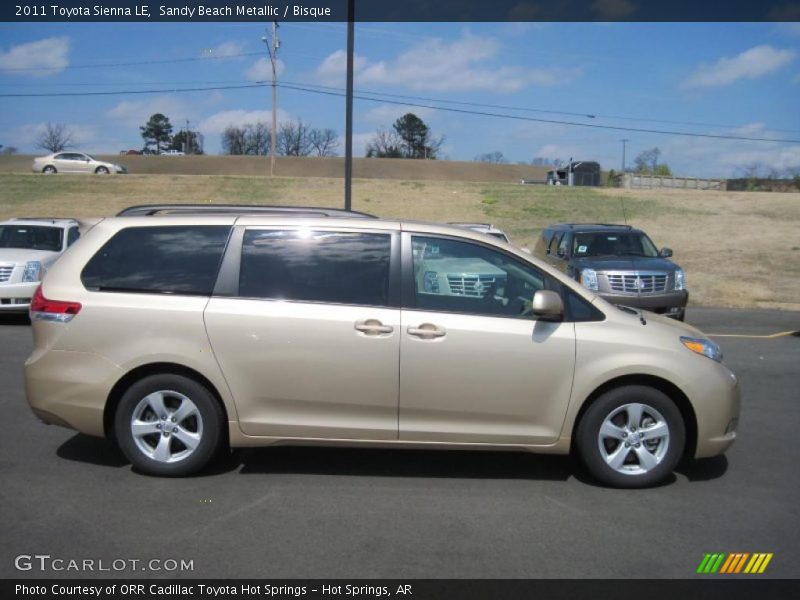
(52, 310)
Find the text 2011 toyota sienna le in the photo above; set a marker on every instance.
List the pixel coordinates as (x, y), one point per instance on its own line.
(177, 331)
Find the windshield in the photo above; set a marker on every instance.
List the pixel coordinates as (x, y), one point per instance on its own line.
(613, 244)
(31, 237)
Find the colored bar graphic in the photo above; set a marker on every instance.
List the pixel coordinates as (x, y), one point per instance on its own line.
(721, 562)
(741, 562)
(764, 564)
(703, 563)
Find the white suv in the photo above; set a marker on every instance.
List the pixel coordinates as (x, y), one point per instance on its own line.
(28, 248)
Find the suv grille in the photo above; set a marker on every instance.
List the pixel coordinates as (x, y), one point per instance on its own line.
(5, 272)
(638, 283)
(472, 285)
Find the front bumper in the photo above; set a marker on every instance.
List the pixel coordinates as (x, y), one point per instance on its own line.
(16, 297)
(717, 404)
(668, 302)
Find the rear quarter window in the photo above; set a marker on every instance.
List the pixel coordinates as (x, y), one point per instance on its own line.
(164, 260)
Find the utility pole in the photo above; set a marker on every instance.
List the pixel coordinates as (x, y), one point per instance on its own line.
(186, 139)
(272, 48)
(624, 141)
(348, 127)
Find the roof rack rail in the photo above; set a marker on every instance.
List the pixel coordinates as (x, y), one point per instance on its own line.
(149, 210)
(51, 219)
(573, 225)
(469, 223)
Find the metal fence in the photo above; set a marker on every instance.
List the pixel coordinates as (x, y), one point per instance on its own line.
(637, 181)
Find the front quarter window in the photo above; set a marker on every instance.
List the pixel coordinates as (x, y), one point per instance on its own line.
(464, 277)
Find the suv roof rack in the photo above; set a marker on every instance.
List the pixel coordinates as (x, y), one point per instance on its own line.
(149, 210)
(51, 219)
(574, 225)
(469, 223)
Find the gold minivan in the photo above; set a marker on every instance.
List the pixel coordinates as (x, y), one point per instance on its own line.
(180, 330)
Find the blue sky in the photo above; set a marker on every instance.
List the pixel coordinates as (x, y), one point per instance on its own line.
(734, 78)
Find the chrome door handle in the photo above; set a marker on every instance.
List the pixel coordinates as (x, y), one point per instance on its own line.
(373, 327)
(427, 331)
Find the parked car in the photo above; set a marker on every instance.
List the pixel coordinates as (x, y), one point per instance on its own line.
(74, 162)
(486, 228)
(619, 262)
(178, 330)
(28, 248)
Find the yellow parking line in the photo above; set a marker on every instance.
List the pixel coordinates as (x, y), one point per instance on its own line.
(757, 337)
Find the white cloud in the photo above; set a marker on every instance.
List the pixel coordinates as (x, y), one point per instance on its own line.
(216, 123)
(433, 64)
(226, 50)
(46, 57)
(261, 70)
(136, 112)
(750, 64)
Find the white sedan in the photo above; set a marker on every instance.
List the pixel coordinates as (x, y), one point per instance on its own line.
(74, 162)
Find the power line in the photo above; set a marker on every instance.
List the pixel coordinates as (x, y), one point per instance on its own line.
(551, 121)
(234, 85)
(360, 96)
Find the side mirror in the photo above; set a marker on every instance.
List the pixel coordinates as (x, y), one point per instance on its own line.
(665, 252)
(547, 305)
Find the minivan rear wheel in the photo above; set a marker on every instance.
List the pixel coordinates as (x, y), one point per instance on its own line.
(168, 425)
(630, 437)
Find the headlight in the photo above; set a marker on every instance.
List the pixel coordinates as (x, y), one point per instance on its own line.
(589, 279)
(33, 272)
(431, 282)
(703, 346)
(680, 280)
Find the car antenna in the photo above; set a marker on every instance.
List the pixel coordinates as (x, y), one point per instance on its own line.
(622, 204)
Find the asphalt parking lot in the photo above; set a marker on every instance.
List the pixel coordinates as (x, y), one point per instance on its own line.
(342, 513)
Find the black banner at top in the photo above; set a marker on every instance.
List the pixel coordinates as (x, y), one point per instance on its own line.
(400, 10)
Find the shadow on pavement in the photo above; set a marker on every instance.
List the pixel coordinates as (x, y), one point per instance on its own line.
(91, 450)
(14, 319)
(372, 462)
(704, 469)
(406, 463)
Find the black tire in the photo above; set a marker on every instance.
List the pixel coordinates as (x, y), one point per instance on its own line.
(681, 315)
(101, 171)
(588, 442)
(211, 421)
(49, 170)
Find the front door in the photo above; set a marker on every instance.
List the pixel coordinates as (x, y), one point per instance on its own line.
(476, 367)
(310, 343)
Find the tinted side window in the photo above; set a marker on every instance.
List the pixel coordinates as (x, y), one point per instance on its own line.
(463, 277)
(176, 259)
(73, 236)
(316, 266)
(554, 241)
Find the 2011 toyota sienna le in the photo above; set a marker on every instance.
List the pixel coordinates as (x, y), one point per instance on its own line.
(177, 331)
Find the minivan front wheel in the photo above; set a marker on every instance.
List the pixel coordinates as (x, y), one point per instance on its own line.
(168, 425)
(631, 436)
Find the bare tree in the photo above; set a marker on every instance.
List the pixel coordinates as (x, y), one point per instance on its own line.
(259, 139)
(495, 157)
(323, 141)
(55, 137)
(234, 140)
(293, 139)
(385, 144)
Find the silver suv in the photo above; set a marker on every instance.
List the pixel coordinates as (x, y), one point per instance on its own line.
(178, 331)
